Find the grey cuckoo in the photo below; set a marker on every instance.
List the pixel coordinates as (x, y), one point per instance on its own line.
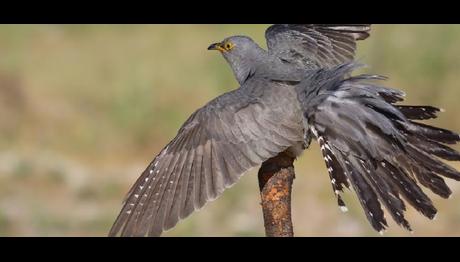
(300, 88)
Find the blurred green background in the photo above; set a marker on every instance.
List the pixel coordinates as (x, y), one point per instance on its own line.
(84, 108)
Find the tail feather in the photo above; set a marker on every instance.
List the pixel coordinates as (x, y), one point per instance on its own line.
(431, 132)
(373, 144)
(388, 194)
(335, 170)
(424, 159)
(419, 112)
(367, 195)
(410, 190)
(434, 182)
(435, 148)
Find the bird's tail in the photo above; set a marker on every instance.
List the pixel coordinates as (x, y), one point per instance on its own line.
(375, 145)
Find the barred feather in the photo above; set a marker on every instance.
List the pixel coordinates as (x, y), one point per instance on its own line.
(379, 149)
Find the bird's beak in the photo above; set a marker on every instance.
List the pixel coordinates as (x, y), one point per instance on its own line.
(216, 46)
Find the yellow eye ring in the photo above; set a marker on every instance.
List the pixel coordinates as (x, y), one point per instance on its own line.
(228, 46)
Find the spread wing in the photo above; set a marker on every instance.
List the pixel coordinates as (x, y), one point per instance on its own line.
(374, 145)
(214, 147)
(315, 45)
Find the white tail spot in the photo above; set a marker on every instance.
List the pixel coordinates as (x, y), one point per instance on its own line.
(313, 130)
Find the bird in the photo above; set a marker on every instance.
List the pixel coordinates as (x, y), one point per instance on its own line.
(300, 88)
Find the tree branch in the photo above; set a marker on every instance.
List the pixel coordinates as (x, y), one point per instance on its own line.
(275, 182)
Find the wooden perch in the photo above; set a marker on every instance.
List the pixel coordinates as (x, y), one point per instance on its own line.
(275, 182)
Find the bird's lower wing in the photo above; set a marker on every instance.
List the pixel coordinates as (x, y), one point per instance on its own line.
(376, 146)
(211, 151)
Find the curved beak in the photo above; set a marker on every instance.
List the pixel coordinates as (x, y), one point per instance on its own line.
(216, 46)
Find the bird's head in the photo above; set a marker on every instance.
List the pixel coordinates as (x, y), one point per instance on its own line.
(242, 53)
(234, 46)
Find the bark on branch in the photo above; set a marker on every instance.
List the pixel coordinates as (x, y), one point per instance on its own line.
(275, 182)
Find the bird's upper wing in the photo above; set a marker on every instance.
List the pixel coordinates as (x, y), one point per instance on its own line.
(315, 45)
(214, 147)
(376, 146)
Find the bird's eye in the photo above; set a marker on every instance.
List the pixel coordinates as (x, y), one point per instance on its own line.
(228, 46)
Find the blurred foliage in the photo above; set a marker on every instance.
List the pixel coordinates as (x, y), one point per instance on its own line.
(84, 108)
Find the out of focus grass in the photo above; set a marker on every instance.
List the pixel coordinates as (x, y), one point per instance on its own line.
(84, 108)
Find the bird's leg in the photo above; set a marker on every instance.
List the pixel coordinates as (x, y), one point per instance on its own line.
(275, 182)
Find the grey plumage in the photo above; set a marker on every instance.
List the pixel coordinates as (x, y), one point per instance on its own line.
(375, 143)
(216, 145)
(312, 46)
(298, 89)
